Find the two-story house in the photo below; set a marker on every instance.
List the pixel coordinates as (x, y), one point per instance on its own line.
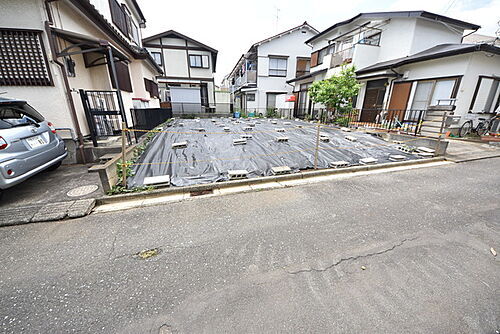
(187, 82)
(260, 75)
(404, 60)
(79, 62)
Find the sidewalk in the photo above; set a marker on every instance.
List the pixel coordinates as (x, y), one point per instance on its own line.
(462, 150)
(68, 192)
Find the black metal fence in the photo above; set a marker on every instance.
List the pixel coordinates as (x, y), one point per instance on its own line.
(102, 112)
(402, 121)
(148, 119)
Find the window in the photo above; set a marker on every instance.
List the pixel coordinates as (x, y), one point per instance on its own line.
(200, 61)
(134, 32)
(432, 92)
(70, 66)
(303, 66)
(373, 39)
(18, 114)
(442, 91)
(321, 55)
(271, 100)
(250, 97)
(487, 95)
(120, 17)
(151, 87)
(123, 76)
(277, 67)
(314, 59)
(157, 57)
(22, 59)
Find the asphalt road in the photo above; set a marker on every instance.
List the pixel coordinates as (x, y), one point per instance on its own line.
(398, 252)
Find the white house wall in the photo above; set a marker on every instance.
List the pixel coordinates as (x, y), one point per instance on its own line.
(291, 45)
(50, 101)
(431, 33)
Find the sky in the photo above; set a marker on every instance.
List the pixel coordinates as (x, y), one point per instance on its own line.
(232, 26)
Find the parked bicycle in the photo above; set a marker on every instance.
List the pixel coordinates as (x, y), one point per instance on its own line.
(482, 127)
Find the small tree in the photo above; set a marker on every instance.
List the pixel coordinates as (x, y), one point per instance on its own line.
(336, 93)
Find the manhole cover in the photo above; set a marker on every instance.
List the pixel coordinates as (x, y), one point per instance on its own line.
(82, 191)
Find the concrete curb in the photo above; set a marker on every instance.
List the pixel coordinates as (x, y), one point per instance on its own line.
(458, 158)
(255, 181)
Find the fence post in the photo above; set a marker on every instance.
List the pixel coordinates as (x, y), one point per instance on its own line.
(124, 162)
(440, 134)
(317, 147)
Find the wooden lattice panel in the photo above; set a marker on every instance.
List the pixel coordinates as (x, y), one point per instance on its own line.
(22, 59)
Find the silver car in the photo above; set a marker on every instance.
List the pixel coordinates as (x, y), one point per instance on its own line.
(28, 143)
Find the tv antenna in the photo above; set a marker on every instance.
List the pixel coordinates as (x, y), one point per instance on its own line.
(277, 17)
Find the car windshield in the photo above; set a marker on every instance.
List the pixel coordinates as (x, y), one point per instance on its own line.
(18, 114)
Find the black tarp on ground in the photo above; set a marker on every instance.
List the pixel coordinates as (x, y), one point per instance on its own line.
(210, 154)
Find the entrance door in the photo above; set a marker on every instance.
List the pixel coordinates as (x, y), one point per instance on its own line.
(399, 100)
(374, 100)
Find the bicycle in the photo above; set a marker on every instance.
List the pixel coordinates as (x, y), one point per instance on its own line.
(482, 127)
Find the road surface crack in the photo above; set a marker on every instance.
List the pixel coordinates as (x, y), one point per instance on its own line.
(350, 258)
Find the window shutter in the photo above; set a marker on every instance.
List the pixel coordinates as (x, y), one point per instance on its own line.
(122, 76)
(314, 59)
(151, 87)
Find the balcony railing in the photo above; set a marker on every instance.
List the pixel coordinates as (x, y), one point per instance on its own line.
(250, 76)
(342, 57)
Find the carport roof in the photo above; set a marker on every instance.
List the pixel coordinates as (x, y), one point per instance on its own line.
(436, 52)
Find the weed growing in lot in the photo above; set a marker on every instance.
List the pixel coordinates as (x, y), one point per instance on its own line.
(139, 149)
(119, 189)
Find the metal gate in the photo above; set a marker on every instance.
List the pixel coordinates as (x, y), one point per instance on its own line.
(102, 112)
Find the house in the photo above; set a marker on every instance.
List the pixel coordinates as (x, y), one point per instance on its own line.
(404, 61)
(56, 55)
(261, 74)
(187, 82)
(481, 39)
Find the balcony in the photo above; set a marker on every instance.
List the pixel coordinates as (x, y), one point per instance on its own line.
(249, 77)
(341, 57)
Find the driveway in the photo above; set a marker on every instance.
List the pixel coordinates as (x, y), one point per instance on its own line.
(69, 191)
(402, 252)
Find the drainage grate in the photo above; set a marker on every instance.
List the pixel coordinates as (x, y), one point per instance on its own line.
(201, 192)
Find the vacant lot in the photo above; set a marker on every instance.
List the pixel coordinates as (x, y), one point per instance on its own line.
(210, 152)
